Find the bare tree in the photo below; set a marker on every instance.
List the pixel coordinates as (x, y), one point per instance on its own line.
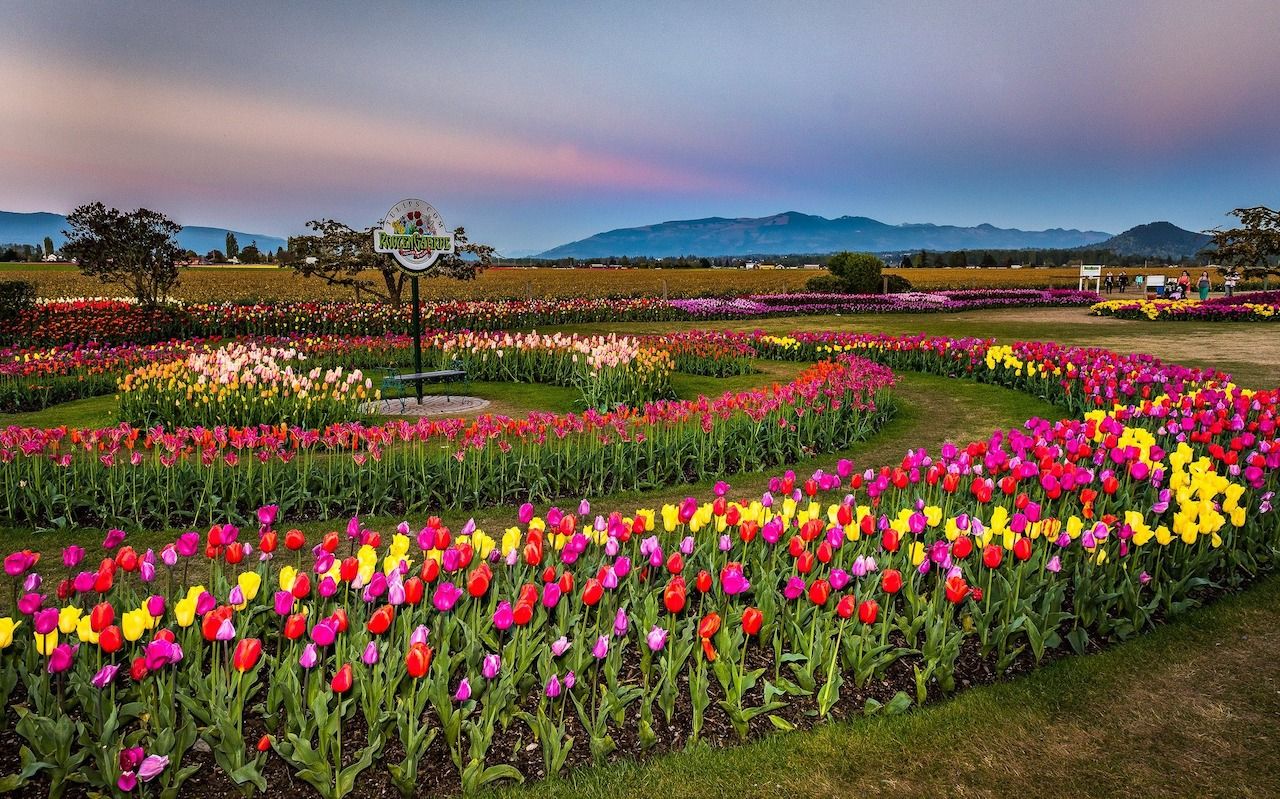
(343, 256)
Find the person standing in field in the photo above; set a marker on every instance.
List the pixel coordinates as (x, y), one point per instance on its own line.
(1108, 282)
(1184, 283)
(1229, 283)
(1203, 285)
(1124, 281)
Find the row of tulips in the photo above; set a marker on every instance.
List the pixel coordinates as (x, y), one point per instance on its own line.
(243, 384)
(57, 476)
(36, 377)
(608, 370)
(112, 320)
(1265, 308)
(382, 656)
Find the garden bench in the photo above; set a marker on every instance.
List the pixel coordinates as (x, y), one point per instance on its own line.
(399, 381)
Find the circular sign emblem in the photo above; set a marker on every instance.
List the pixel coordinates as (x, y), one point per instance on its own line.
(414, 234)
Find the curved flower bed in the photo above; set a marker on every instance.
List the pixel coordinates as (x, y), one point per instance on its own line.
(103, 320)
(193, 474)
(1258, 307)
(427, 658)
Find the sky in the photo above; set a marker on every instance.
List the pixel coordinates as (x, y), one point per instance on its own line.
(536, 124)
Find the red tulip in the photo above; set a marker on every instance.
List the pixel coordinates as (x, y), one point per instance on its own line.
(339, 617)
(341, 682)
(566, 583)
(268, 541)
(673, 596)
(889, 540)
(846, 606)
(381, 619)
(805, 563)
(703, 581)
(111, 639)
(418, 660)
(101, 617)
(868, 611)
(592, 592)
(891, 581)
(819, 592)
(138, 669)
(992, 555)
(301, 586)
(956, 589)
(413, 590)
(675, 563)
(264, 743)
(709, 625)
(961, 547)
(1022, 549)
(348, 569)
(294, 540)
(329, 543)
(478, 580)
(752, 618)
(235, 552)
(246, 654)
(295, 626)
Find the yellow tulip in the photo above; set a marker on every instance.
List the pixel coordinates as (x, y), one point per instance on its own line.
(249, 583)
(133, 623)
(46, 643)
(7, 626)
(68, 619)
(184, 610)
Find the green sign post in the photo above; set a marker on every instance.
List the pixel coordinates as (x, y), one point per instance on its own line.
(414, 234)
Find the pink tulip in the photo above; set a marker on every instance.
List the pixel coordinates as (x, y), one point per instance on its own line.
(61, 658)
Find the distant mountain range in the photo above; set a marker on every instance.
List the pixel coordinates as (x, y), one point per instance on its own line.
(794, 233)
(17, 228)
(1156, 240)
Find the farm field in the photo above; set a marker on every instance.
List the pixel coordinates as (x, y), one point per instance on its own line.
(928, 403)
(243, 284)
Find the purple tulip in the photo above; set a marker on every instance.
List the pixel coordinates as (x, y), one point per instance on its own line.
(283, 603)
(601, 647)
(492, 666)
(169, 555)
(553, 687)
(155, 605)
(188, 544)
(446, 596)
(267, 515)
(560, 646)
(72, 555)
(1054, 565)
(503, 616)
(104, 676)
(152, 766)
(525, 514)
(61, 658)
(656, 639)
(328, 587)
(32, 582)
(569, 680)
(309, 657)
(113, 539)
(324, 632)
(464, 691)
(419, 635)
(45, 621)
(226, 631)
(370, 655)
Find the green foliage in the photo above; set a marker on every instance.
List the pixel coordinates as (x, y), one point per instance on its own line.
(15, 297)
(233, 246)
(850, 273)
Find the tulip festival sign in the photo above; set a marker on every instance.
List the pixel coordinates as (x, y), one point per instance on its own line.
(414, 234)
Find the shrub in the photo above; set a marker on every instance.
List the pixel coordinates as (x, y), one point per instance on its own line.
(851, 273)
